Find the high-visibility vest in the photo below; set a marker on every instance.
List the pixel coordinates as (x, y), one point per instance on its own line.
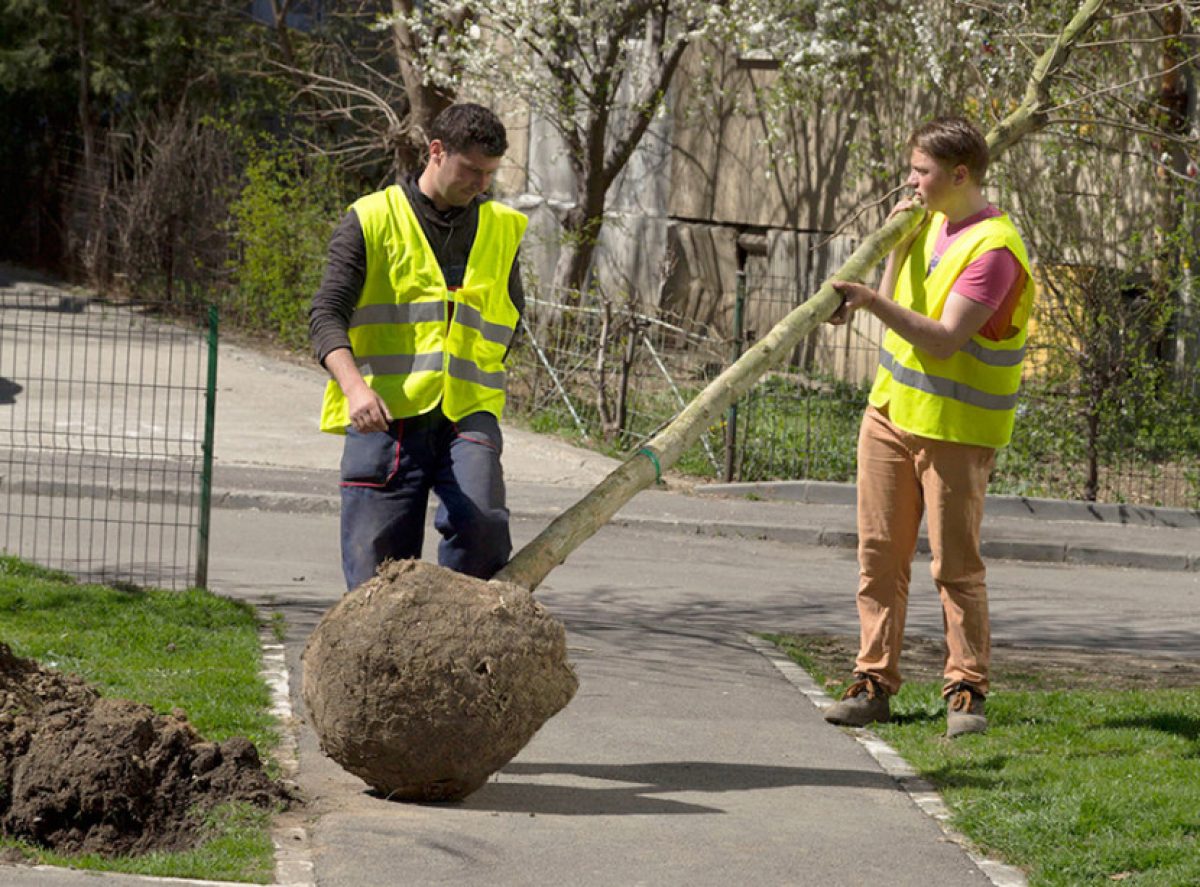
(971, 396)
(415, 341)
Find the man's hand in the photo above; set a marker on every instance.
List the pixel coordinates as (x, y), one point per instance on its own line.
(901, 248)
(368, 412)
(854, 296)
(903, 205)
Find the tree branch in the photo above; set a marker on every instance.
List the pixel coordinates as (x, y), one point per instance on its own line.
(1032, 113)
(644, 113)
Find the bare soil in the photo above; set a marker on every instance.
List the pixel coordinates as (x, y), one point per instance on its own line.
(1015, 667)
(82, 773)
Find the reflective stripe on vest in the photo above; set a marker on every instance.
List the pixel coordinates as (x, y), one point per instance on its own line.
(417, 343)
(401, 364)
(971, 396)
(417, 312)
(960, 391)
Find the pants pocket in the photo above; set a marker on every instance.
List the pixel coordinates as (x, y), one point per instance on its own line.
(482, 429)
(371, 459)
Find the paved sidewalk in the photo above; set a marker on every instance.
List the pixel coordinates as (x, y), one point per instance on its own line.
(685, 758)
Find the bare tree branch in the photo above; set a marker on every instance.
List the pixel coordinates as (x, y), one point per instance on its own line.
(1125, 85)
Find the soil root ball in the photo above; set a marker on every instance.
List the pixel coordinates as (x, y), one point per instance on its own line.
(423, 682)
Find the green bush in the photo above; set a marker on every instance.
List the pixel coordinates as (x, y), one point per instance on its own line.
(281, 221)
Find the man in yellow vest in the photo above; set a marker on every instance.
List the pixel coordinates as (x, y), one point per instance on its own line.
(413, 320)
(955, 298)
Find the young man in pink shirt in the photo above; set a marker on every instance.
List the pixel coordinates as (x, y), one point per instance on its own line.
(955, 298)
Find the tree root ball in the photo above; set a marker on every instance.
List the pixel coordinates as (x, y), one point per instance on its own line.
(423, 682)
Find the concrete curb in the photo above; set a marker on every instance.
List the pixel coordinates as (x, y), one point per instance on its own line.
(920, 791)
(1040, 548)
(294, 866)
(826, 493)
(1018, 550)
(815, 535)
(88, 876)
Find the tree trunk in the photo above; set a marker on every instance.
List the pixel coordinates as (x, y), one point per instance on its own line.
(602, 406)
(425, 100)
(628, 356)
(86, 227)
(1170, 117)
(1094, 408)
(283, 35)
(580, 234)
(570, 271)
(569, 530)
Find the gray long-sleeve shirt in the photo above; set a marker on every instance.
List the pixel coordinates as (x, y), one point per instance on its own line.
(450, 234)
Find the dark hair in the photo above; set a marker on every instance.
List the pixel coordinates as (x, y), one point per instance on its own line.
(952, 141)
(465, 126)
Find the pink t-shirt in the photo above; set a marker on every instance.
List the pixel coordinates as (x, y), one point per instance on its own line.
(995, 279)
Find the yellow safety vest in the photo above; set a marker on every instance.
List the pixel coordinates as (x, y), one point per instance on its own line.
(971, 396)
(417, 343)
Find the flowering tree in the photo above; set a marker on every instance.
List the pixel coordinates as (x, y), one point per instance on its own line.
(1107, 194)
(596, 72)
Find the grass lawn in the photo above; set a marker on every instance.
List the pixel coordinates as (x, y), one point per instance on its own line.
(1089, 772)
(190, 650)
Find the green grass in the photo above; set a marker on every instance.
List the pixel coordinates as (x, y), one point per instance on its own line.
(236, 847)
(191, 650)
(789, 431)
(278, 626)
(1076, 787)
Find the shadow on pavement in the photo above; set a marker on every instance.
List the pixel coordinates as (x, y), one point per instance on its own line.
(9, 390)
(643, 780)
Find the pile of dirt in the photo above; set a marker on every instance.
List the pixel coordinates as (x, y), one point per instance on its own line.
(423, 682)
(89, 774)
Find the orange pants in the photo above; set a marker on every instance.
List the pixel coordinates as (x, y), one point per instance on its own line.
(900, 477)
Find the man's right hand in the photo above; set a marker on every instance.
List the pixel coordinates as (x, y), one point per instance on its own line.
(903, 205)
(368, 412)
(907, 203)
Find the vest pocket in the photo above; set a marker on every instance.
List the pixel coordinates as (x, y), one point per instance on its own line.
(371, 459)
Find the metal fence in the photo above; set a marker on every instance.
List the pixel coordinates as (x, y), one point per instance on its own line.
(105, 437)
(612, 373)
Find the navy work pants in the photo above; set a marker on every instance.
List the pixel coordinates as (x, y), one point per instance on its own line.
(386, 479)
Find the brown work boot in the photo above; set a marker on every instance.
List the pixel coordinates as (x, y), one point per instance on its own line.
(865, 702)
(964, 711)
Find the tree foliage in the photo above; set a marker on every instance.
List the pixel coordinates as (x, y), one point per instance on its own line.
(82, 82)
